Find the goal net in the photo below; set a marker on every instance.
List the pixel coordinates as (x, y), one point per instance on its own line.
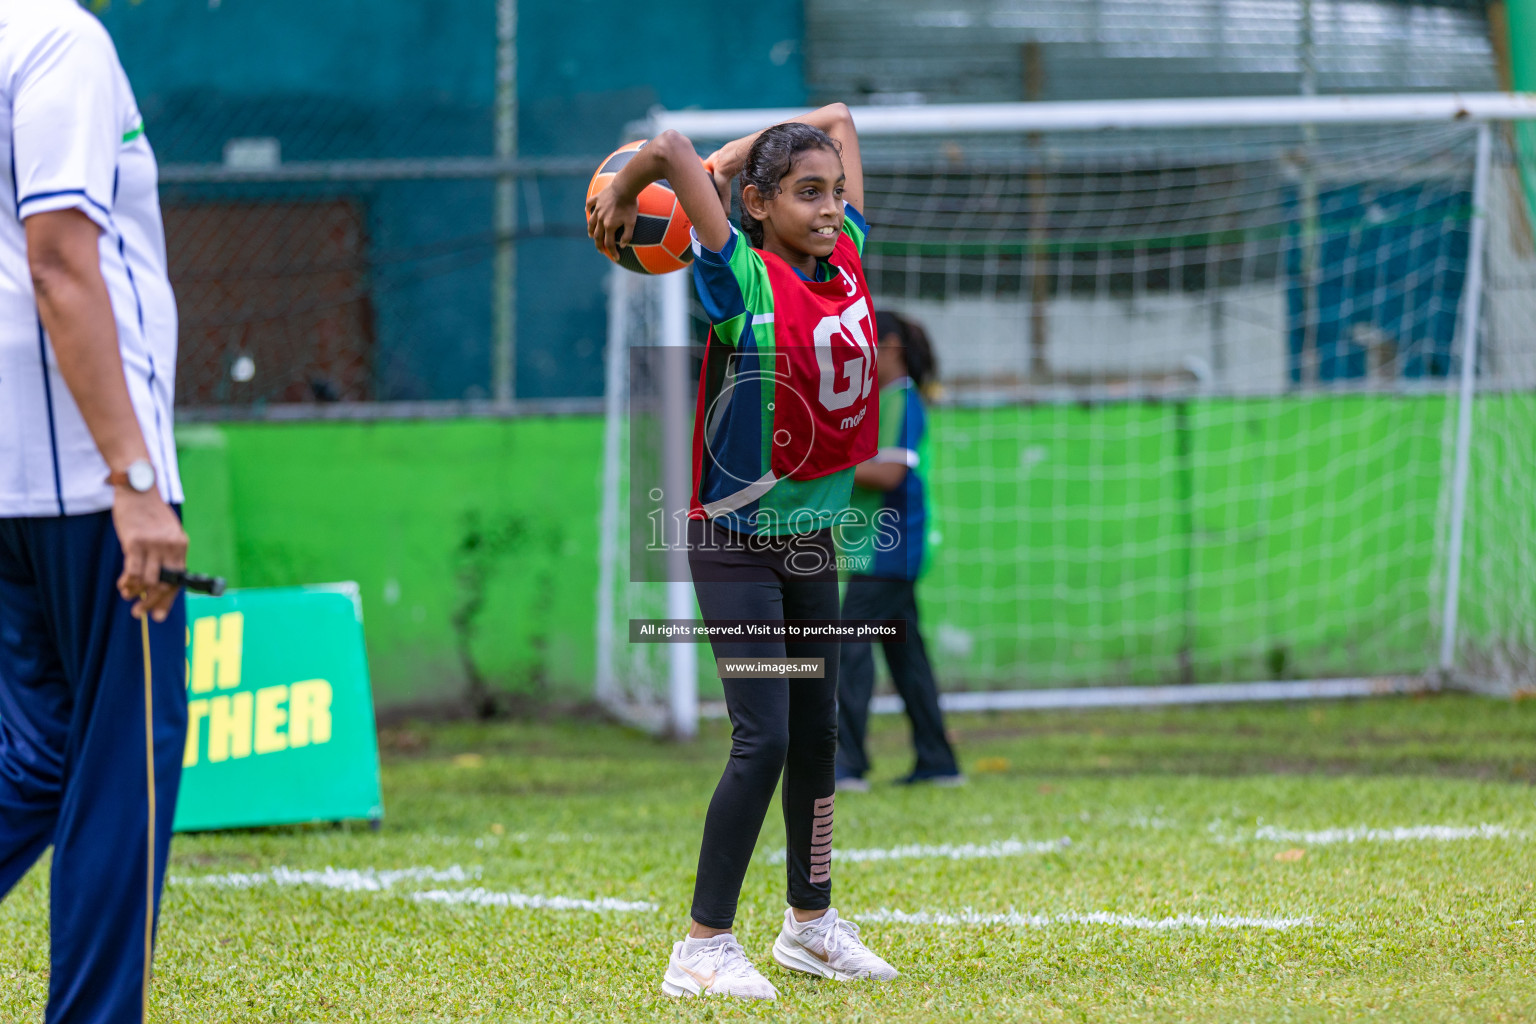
(1201, 414)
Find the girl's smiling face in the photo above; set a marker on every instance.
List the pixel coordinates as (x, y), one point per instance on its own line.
(802, 221)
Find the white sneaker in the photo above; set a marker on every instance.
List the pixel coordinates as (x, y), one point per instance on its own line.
(715, 967)
(828, 947)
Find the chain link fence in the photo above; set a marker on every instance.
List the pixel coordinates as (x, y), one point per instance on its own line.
(326, 284)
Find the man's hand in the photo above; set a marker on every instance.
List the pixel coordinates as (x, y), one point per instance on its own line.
(152, 539)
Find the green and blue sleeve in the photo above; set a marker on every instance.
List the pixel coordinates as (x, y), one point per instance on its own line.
(733, 286)
(855, 227)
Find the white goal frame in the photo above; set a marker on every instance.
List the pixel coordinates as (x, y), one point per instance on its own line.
(682, 707)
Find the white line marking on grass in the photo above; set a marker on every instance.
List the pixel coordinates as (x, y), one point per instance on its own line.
(1401, 834)
(345, 879)
(523, 901)
(1017, 920)
(370, 880)
(964, 851)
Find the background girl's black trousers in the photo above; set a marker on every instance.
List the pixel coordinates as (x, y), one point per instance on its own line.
(870, 597)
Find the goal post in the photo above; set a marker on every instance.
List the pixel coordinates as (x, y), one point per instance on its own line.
(1233, 395)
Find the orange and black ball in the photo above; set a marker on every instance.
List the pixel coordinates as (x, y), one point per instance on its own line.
(661, 242)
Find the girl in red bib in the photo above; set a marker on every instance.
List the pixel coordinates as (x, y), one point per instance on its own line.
(787, 408)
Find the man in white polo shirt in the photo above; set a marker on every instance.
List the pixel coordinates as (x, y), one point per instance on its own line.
(92, 722)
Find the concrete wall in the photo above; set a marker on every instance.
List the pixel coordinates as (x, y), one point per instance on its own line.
(1236, 336)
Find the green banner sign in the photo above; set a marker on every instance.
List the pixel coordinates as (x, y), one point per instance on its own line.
(280, 724)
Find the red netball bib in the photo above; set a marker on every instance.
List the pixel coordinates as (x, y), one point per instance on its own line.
(822, 410)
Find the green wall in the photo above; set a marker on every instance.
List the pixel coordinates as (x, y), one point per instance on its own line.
(1142, 542)
(469, 538)
(1202, 541)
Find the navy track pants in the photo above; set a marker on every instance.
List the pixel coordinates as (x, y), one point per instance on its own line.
(73, 766)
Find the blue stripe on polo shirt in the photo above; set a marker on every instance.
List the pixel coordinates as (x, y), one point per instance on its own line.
(53, 435)
(38, 197)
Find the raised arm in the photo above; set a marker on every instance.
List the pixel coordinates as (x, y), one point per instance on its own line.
(611, 213)
(835, 119)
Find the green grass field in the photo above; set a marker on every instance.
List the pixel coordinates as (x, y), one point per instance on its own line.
(1242, 863)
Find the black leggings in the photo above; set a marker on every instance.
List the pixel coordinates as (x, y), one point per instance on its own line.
(778, 726)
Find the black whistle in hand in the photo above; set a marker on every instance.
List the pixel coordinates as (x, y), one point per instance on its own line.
(197, 583)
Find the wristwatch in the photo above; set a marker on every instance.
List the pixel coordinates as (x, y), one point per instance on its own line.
(139, 477)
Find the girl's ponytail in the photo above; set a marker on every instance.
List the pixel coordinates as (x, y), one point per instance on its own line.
(917, 350)
(922, 364)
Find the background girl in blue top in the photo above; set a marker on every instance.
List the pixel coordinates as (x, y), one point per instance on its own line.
(891, 496)
(778, 432)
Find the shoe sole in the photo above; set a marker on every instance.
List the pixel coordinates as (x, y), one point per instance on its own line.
(690, 990)
(677, 991)
(793, 959)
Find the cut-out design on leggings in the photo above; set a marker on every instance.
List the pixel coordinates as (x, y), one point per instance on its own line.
(821, 841)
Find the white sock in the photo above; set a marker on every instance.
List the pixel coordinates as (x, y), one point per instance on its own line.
(693, 945)
(811, 925)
